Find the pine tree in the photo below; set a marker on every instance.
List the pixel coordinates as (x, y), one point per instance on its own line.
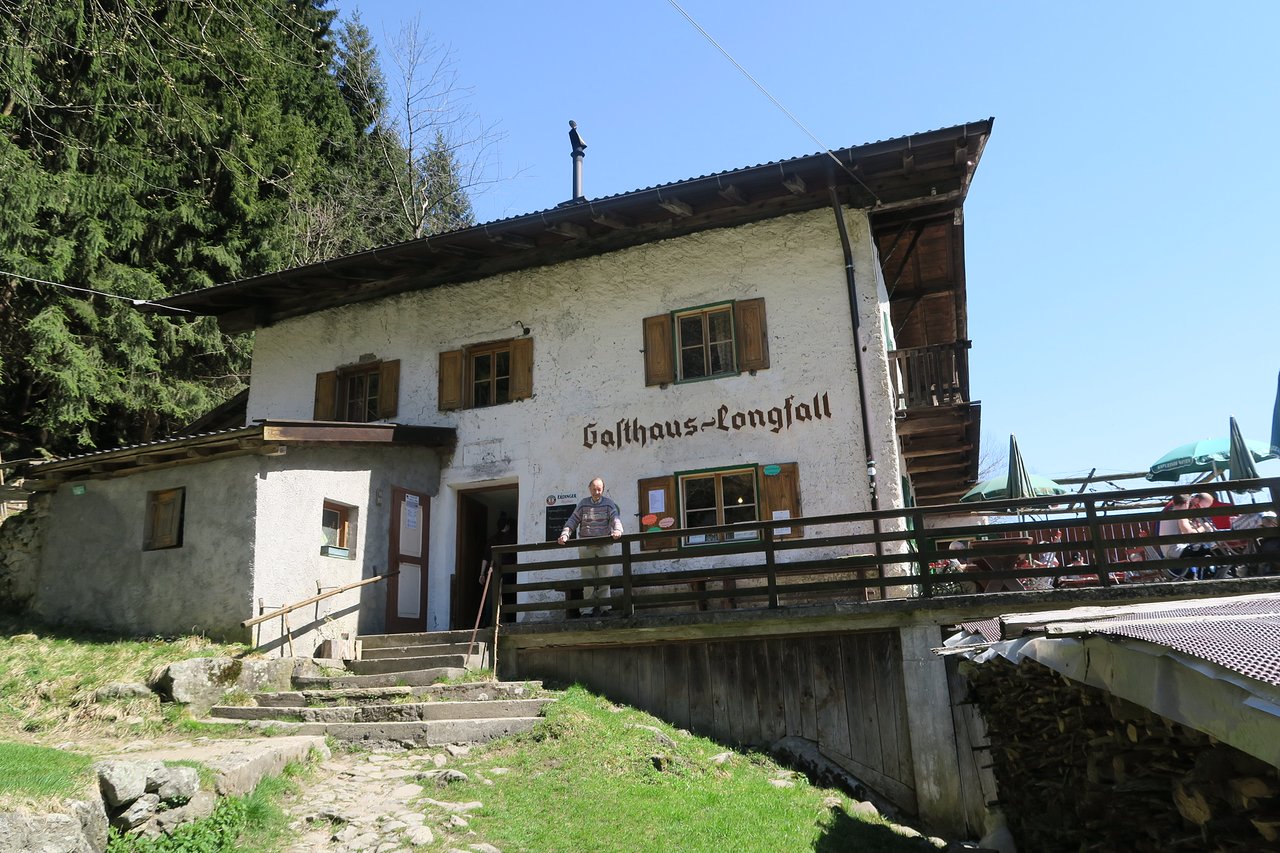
(145, 149)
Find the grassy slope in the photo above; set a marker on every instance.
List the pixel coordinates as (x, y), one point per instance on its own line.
(47, 681)
(586, 780)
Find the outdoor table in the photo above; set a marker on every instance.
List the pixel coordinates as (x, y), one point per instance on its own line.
(1000, 562)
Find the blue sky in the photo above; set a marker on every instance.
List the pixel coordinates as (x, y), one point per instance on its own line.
(1121, 247)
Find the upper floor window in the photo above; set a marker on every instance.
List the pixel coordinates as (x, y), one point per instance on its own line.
(723, 339)
(704, 339)
(490, 374)
(487, 374)
(361, 392)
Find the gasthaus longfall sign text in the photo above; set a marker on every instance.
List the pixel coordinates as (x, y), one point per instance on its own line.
(775, 419)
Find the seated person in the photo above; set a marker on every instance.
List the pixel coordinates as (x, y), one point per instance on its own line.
(1049, 558)
(1186, 526)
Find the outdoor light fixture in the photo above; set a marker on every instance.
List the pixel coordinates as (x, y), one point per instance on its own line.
(524, 330)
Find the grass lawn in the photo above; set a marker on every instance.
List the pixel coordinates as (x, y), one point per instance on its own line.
(36, 775)
(592, 777)
(48, 677)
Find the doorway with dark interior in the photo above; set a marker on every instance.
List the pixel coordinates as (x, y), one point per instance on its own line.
(480, 513)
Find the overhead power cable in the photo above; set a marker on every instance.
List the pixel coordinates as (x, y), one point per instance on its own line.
(134, 302)
(775, 101)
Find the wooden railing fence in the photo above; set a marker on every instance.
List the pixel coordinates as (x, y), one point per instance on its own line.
(936, 375)
(836, 558)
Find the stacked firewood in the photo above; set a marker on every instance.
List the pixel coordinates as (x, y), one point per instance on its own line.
(1079, 769)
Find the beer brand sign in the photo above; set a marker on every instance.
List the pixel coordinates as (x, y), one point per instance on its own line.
(625, 433)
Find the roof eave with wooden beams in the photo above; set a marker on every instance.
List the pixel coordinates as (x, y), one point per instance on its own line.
(266, 438)
(893, 179)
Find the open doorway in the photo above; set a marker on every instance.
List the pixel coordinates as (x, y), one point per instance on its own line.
(479, 514)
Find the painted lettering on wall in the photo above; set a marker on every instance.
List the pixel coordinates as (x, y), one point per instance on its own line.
(775, 419)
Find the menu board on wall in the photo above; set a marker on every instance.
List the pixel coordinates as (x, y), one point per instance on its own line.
(559, 508)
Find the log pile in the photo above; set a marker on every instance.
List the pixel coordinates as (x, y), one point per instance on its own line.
(1080, 770)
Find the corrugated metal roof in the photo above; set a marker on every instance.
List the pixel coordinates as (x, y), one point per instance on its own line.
(1239, 634)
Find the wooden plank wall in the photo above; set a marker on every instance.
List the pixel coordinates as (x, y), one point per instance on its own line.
(843, 691)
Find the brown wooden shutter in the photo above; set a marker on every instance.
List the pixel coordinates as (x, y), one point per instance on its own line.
(521, 368)
(164, 519)
(649, 499)
(659, 351)
(388, 388)
(752, 333)
(326, 408)
(451, 380)
(782, 492)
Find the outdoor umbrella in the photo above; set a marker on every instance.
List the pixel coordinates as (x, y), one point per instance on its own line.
(1016, 484)
(1275, 421)
(1241, 463)
(1197, 457)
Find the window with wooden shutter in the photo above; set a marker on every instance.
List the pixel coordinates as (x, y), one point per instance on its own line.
(752, 334)
(388, 388)
(487, 374)
(521, 368)
(691, 344)
(781, 492)
(164, 519)
(450, 395)
(659, 358)
(326, 406)
(657, 505)
(358, 393)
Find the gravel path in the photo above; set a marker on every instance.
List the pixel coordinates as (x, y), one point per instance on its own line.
(380, 802)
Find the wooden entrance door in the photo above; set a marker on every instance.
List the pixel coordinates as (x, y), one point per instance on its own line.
(407, 591)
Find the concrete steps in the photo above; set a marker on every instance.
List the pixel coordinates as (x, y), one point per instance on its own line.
(409, 734)
(392, 695)
(406, 712)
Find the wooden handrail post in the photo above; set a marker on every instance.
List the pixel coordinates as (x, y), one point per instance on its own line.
(771, 568)
(1095, 539)
(923, 555)
(628, 605)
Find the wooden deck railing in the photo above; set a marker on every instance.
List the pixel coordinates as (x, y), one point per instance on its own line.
(836, 558)
(929, 376)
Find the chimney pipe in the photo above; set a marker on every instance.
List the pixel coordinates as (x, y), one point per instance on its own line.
(579, 151)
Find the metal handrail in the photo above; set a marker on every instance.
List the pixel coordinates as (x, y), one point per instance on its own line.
(289, 608)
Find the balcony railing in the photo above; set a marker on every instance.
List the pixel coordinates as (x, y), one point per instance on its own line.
(936, 375)
(889, 553)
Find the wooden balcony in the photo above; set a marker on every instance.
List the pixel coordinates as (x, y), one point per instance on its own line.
(936, 375)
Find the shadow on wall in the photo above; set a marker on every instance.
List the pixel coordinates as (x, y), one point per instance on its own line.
(306, 636)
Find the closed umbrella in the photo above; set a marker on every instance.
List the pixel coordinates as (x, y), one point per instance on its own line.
(1018, 479)
(1241, 463)
(1275, 421)
(1016, 484)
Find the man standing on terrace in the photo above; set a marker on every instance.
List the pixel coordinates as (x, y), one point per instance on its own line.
(595, 516)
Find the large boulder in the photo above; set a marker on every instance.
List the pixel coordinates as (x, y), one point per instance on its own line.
(45, 833)
(122, 782)
(93, 820)
(203, 682)
(173, 784)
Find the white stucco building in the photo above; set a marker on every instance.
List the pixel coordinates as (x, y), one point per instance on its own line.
(734, 347)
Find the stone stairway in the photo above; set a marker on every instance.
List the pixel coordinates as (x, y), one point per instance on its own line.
(391, 696)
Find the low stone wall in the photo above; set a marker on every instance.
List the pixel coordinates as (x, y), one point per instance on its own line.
(21, 541)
